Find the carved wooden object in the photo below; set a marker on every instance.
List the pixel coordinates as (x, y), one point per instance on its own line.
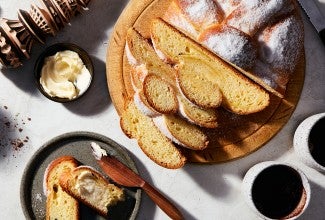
(17, 36)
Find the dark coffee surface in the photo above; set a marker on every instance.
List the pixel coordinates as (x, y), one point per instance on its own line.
(317, 142)
(277, 191)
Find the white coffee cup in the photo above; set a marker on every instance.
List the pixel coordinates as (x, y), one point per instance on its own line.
(256, 171)
(301, 141)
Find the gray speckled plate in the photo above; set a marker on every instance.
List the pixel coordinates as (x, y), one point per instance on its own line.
(76, 144)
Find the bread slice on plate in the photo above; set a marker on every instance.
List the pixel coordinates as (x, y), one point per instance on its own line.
(59, 204)
(240, 95)
(150, 139)
(91, 188)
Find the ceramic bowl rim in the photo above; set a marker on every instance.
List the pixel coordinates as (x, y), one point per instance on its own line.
(51, 50)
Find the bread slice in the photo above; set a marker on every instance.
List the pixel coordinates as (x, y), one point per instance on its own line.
(91, 188)
(160, 94)
(207, 118)
(144, 59)
(152, 142)
(140, 52)
(59, 204)
(181, 132)
(191, 78)
(142, 104)
(240, 95)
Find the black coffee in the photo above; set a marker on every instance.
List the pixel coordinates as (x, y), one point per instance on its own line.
(317, 141)
(277, 191)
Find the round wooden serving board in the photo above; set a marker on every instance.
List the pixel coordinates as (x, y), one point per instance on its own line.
(236, 136)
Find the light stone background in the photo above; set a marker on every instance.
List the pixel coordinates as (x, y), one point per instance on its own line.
(200, 191)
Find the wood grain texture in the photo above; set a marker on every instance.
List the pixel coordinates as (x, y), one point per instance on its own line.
(236, 135)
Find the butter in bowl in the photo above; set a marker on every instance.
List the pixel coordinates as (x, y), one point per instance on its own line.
(63, 72)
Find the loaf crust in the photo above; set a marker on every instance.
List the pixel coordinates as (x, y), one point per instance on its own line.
(59, 205)
(150, 139)
(239, 92)
(236, 136)
(240, 34)
(68, 182)
(151, 64)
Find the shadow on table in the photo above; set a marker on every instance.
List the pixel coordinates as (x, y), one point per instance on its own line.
(321, 7)
(97, 98)
(4, 147)
(147, 206)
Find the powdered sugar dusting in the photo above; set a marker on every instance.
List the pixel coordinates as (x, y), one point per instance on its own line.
(252, 15)
(281, 44)
(201, 11)
(180, 22)
(228, 6)
(231, 45)
(263, 71)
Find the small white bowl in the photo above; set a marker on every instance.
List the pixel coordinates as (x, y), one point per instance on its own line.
(252, 174)
(301, 141)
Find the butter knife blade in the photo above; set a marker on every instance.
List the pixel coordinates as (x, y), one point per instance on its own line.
(315, 16)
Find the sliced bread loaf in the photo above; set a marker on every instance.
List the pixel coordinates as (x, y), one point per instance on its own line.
(152, 142)
(193, 82)
(140, 52)
(150, 62)
(273, 28)
(240, 95)
(59, 204)
(160, 94)
(91, 188)
(207, 118)
(181, 132)
(142, 104)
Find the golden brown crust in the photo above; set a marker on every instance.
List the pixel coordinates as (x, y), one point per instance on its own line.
(188, 134)
(136, 125)
(224, 74)
(170, 105)
(236, 136)
(52, 188)
(62, 159)
(197, 88)
(68, 180)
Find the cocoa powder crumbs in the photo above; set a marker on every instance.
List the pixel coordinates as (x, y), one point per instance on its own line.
(11, 131)
(17, 144)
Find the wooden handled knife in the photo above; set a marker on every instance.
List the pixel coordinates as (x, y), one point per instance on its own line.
(124, 176)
